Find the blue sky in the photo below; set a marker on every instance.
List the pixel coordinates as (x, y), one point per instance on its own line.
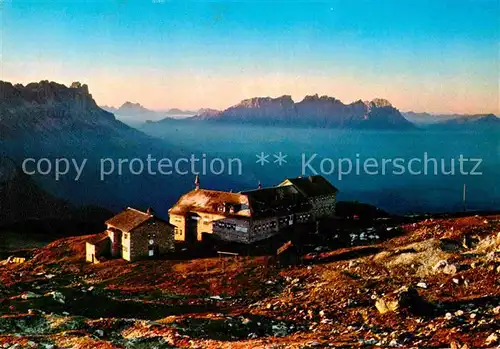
(437, 56)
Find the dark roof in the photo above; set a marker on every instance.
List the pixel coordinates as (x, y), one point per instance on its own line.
(283, 199)
(313, 186)
(129, 219)
(209, 201)
(275, 200)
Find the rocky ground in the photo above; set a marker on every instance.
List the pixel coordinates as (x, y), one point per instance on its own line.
(431, 283)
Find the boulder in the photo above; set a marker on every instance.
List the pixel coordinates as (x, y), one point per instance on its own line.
(385, 305)
(444, 267)
(58, 296)
(450, 269)
(406, 298)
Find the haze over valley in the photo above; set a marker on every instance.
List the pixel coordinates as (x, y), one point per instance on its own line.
(50, 120)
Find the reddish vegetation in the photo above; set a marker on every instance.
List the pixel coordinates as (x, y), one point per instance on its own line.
(329, 299)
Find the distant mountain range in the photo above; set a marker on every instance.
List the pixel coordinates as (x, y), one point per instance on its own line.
(138, 112)
(329, 112)
(312, 111)
(427, 119)
(479, 119)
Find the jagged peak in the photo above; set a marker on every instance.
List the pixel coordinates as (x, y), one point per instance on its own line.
(46, 84)
(256, 101)
(380, 103)
(45, 91)
(315, 97)
(311, 98)
(129, 104)
(286, 97)
(208, 110)
(360, 102)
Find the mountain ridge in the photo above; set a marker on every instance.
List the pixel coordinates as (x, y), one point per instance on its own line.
(136, 110)
(312, 110)
(424, 118)
(44, 108)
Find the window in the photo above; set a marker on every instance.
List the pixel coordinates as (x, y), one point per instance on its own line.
(242, 229)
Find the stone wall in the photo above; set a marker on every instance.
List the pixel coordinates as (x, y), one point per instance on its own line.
(264, 228)
(248, 231)
(323, 206)
(138, 241)
(233, 229)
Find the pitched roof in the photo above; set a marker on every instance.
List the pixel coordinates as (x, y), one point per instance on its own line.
(312, 186)
(129, 219)
(275, 200)
(209, 201)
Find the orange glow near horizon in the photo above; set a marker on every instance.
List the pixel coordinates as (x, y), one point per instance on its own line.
(191, 90)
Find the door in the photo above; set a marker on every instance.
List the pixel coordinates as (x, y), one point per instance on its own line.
(192, 220)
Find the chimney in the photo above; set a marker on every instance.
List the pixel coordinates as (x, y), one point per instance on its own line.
(259, 186)
(150, 211)
(197, 182)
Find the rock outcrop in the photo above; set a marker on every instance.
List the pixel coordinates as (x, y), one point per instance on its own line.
(45, 107)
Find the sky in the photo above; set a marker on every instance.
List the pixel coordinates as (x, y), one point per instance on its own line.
(439, 56)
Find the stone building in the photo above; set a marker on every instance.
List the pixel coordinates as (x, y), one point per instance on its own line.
(193, 215)
(133, 235)
(319, 193)
(250, 216)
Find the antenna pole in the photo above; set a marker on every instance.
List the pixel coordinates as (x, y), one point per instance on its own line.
(464, 197)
